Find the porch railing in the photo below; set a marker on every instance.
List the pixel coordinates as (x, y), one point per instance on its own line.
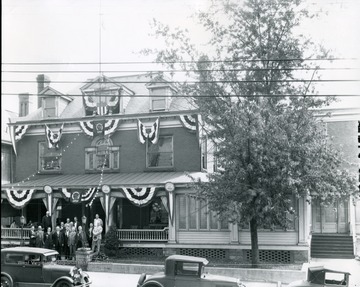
(143, 234)
(15, 233)
(151, 235)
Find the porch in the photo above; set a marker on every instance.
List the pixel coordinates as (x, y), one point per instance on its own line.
(15, 235)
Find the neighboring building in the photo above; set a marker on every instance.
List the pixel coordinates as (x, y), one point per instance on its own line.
(125, 150)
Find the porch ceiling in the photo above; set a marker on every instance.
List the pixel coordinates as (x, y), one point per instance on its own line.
(114, 180)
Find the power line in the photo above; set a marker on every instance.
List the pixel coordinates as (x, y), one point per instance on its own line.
(201, 96)
(188, 70)
(195, 82)
(182, 62)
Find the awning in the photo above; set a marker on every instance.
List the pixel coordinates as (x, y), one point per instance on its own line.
(114, 180)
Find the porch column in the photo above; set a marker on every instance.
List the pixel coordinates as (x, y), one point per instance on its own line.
(234, 233)
(172, 229)
(303, 230)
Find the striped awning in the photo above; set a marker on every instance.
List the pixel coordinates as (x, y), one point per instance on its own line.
(114, 180)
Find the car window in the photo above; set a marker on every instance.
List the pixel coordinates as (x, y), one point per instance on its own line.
(187, 268)
(33, 259)
(335, 278)
(14, 258)
(50, 259)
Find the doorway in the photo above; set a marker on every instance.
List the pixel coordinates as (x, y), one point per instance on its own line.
(331, 218)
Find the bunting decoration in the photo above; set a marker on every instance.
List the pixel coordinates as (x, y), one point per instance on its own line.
(189, 122)
(53, 138)
(19, 198)
(139, 196)
(152, 136)
(84, 196)
(102, 108)
(94, 128)
(20, 131)
(65, 193)
(89, 194)
(16, 134)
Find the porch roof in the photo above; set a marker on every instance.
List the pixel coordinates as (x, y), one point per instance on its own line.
(114, 180)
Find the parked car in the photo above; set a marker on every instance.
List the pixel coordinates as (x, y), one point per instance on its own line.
(321, 276)
(38, 266)
(186, 271)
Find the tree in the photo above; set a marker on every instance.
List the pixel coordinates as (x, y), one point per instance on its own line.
(271, 145)
(112, 242)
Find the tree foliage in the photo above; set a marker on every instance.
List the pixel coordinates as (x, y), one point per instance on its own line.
(270, 144)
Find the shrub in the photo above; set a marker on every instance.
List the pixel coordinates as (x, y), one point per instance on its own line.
(112, 242)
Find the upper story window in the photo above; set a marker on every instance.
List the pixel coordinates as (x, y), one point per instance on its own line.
(49, 158)
(160, 154)
(102, 156)
(204, 154)
(195, 215)
(158, 99)
(49, 104)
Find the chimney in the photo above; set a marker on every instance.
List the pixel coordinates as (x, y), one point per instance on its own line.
(42, 82)
(23, 104)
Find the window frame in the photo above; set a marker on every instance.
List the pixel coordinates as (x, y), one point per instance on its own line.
(172, 155)
(186, 214)
(46, 109)
(93, 152)
(40, 157)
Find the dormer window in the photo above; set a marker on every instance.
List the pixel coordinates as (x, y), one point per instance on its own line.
(159, 99)
(160, 92)
(49, 104)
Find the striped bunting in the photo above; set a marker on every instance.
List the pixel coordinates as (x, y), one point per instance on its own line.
(139, 196)
(18, 198)
(189, 121)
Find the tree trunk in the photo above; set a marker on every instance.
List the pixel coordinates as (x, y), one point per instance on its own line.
(254, 243)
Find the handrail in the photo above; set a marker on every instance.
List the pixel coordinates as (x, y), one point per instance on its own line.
(143, 234)
(15, 233)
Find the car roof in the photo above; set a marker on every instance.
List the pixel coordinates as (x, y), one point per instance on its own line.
(36, 250)
(186, 258)
(314, 269)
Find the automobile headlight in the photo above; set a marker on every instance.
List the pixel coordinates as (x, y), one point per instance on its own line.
(76, 274)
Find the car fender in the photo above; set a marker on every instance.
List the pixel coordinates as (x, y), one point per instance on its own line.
(8, 276)
(152, 283)
(63, 278)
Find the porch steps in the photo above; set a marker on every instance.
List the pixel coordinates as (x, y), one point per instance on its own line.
(332, 246)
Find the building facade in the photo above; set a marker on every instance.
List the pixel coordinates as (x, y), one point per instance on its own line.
(127, 148)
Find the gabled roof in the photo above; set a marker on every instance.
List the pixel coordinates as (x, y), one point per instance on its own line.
(133, 84)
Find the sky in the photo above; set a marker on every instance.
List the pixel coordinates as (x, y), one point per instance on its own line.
(87, 31)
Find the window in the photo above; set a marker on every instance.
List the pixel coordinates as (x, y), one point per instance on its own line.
(49, 107)
(204, 154)
(160, 154)
(158, 99)
(14, 258)
(196, 215)
(187, 268)
(49, 158)
(102, 156)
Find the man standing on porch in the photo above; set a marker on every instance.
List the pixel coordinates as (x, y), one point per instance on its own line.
(46, 221)
(98, 219)
(97, 237)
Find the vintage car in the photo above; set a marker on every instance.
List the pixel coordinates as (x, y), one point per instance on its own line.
(321, 276)
(38, 267)
(186, 271)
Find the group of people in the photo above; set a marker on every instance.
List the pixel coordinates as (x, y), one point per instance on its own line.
(68, 236)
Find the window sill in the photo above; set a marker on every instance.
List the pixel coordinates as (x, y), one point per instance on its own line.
(147, 169)
(99, 171)
(50, 172)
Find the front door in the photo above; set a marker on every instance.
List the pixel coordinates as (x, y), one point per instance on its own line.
(331, 218)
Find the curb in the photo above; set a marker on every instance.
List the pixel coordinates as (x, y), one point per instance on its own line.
(245, 274)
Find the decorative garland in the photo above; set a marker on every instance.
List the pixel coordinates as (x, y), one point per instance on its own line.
(99, 109)
(18, 199)
(20, 131)
(53, 138)
(108, 127)
(141, 197)
(65, 192)
(153, 135)
(189, 122)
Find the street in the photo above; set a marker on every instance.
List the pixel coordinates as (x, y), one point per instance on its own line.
(100, 279)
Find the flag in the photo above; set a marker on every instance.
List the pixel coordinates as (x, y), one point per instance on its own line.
(152, 136)
(53, 138)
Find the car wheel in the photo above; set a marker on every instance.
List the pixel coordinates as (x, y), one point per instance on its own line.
(6, 282)
(63, 284)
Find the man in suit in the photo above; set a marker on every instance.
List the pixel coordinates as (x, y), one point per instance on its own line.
(46, 221)
(58, 240)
